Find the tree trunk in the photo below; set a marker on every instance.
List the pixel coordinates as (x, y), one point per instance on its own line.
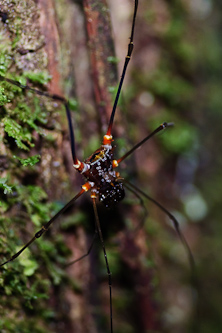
(73, 42)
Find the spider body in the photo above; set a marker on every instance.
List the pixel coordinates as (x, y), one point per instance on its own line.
(104, 180)
(98, 170)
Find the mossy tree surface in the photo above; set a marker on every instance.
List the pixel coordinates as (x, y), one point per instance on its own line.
(34, 181)
(35, 163)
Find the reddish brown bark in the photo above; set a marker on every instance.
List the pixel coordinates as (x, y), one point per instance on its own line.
(52, 44)
(101, 47)
(79, 317)
(145, 307)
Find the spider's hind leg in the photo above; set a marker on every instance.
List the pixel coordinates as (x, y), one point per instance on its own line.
(173, 220)
(106, 261)
(95, 235)
(142, 204)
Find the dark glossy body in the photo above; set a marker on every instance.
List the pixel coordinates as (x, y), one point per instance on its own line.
(106, 182)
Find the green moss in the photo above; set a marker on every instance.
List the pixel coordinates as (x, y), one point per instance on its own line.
(28, 161)
(22, 136)
(6, 188)
(39, 77)
(113, 60)
(24, 284)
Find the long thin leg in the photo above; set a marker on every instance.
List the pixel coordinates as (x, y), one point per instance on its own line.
(173, 219)
(106, 260)
(46, 226)
(87, 253)
(57, 98)
(127, 59)
(157, 130)
(141, 224)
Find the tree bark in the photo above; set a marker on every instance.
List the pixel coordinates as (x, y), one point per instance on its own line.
(73, 41)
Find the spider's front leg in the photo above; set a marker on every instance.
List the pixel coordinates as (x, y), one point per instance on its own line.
(45, 227)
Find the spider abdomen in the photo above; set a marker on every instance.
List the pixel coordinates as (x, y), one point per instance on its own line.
(111, 193)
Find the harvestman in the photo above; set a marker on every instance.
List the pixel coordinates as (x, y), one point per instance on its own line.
(104, 183)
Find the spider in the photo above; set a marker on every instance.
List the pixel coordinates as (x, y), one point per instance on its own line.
(104, 183)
